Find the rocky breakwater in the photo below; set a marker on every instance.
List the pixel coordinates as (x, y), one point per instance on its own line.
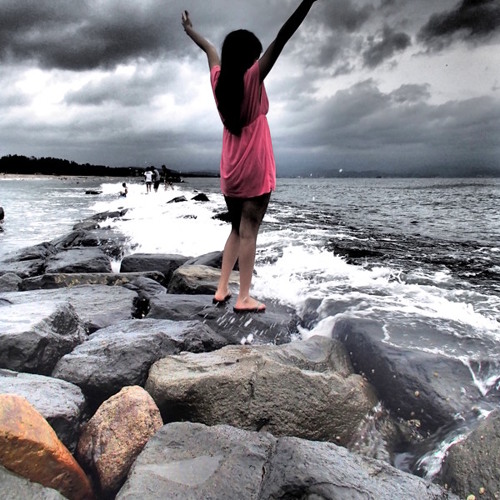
(134, 385)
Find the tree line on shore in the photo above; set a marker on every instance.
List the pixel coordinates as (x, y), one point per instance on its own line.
(16, 164)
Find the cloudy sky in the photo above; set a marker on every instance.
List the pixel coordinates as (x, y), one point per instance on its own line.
(399, 85)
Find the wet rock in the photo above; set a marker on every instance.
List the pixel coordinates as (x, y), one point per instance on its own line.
(414, 385)
(79, 260)
(198, 280)
(33, 339)
(472, 466)
(186, 460)
(14, 487)
(264, 388)
(162, 263)
(276, 325)
(62, 404)
(97, 306)
(116, 434)
(178, 199)
(30, 448)
(108, 240)
(122, 354)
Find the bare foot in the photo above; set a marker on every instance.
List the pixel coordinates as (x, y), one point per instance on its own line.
(249, 304)
(221, 297)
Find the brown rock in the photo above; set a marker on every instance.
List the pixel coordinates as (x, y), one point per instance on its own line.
(116, 434)
(30, 448)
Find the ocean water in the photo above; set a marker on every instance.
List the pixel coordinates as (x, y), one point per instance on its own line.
(421, 255)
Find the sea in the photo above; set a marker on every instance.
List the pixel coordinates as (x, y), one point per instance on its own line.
(421, 255)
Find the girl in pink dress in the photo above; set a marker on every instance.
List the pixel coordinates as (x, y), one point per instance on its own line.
(247, 169)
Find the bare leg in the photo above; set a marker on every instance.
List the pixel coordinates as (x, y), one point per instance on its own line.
(246, 218)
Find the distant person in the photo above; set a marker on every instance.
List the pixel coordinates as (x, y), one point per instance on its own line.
(125, 190)
(156, 179)
(148, 178)
(248, 171)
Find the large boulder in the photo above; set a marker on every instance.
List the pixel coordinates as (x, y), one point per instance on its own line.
(108, 240)
(116, 434)
(97, 306)
(472, 466)
(14, 487)
(30, 448)
(121, 355)
(187, 460)
(79, 260)
(10, 282)
(414, 385)
(303, 390)
(34, 337)
(163, 263)
(62, 404)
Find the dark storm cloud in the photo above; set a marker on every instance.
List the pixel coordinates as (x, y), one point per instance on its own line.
(380, 50)
(469, 20)
(85, 34)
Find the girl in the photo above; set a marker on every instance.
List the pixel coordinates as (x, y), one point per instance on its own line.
(248, 172)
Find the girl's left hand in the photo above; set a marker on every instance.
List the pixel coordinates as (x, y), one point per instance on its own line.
(186, 22)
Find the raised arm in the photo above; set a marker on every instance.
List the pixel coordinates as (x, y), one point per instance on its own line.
(201, 41)
(266, 62)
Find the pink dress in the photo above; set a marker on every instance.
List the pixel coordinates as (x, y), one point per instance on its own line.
(247, 166)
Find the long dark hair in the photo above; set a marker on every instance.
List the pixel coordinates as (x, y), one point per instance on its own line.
(241, 48)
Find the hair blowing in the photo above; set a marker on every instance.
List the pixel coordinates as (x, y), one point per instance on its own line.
(241, 48)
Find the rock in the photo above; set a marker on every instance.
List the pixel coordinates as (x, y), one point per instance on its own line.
(212, 259)
(92, 191)
(9, 282)
(285, 390)
(108, 240)
(67, 280)
(162, 263)
(472, 466)
(186, 460)
(28, 261)
(200, 197)
(198, 280)
(97, 306)
(111, 214)
(122, 354)
(414, 385)
(79, 260)
(30, 448)
(276, 325)
(14, 487)
(116, 434)
(62, 404)
(33, 339)
(178, 199)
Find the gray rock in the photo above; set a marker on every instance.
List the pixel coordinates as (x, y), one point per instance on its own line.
(97, 306)
(192, 461)
(14, 487)
(414, 385)
(286, 390)
(62, 404)
(27, 262)
(198, 280)
(163, 263)
(108, 240)
(474, 463)
(10, 282)
(79, 260)
(212, 259)
(122, 354)
(276, 325)
(34, 337)
(67, 280)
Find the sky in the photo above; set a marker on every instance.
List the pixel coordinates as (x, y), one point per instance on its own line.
(393, 86)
